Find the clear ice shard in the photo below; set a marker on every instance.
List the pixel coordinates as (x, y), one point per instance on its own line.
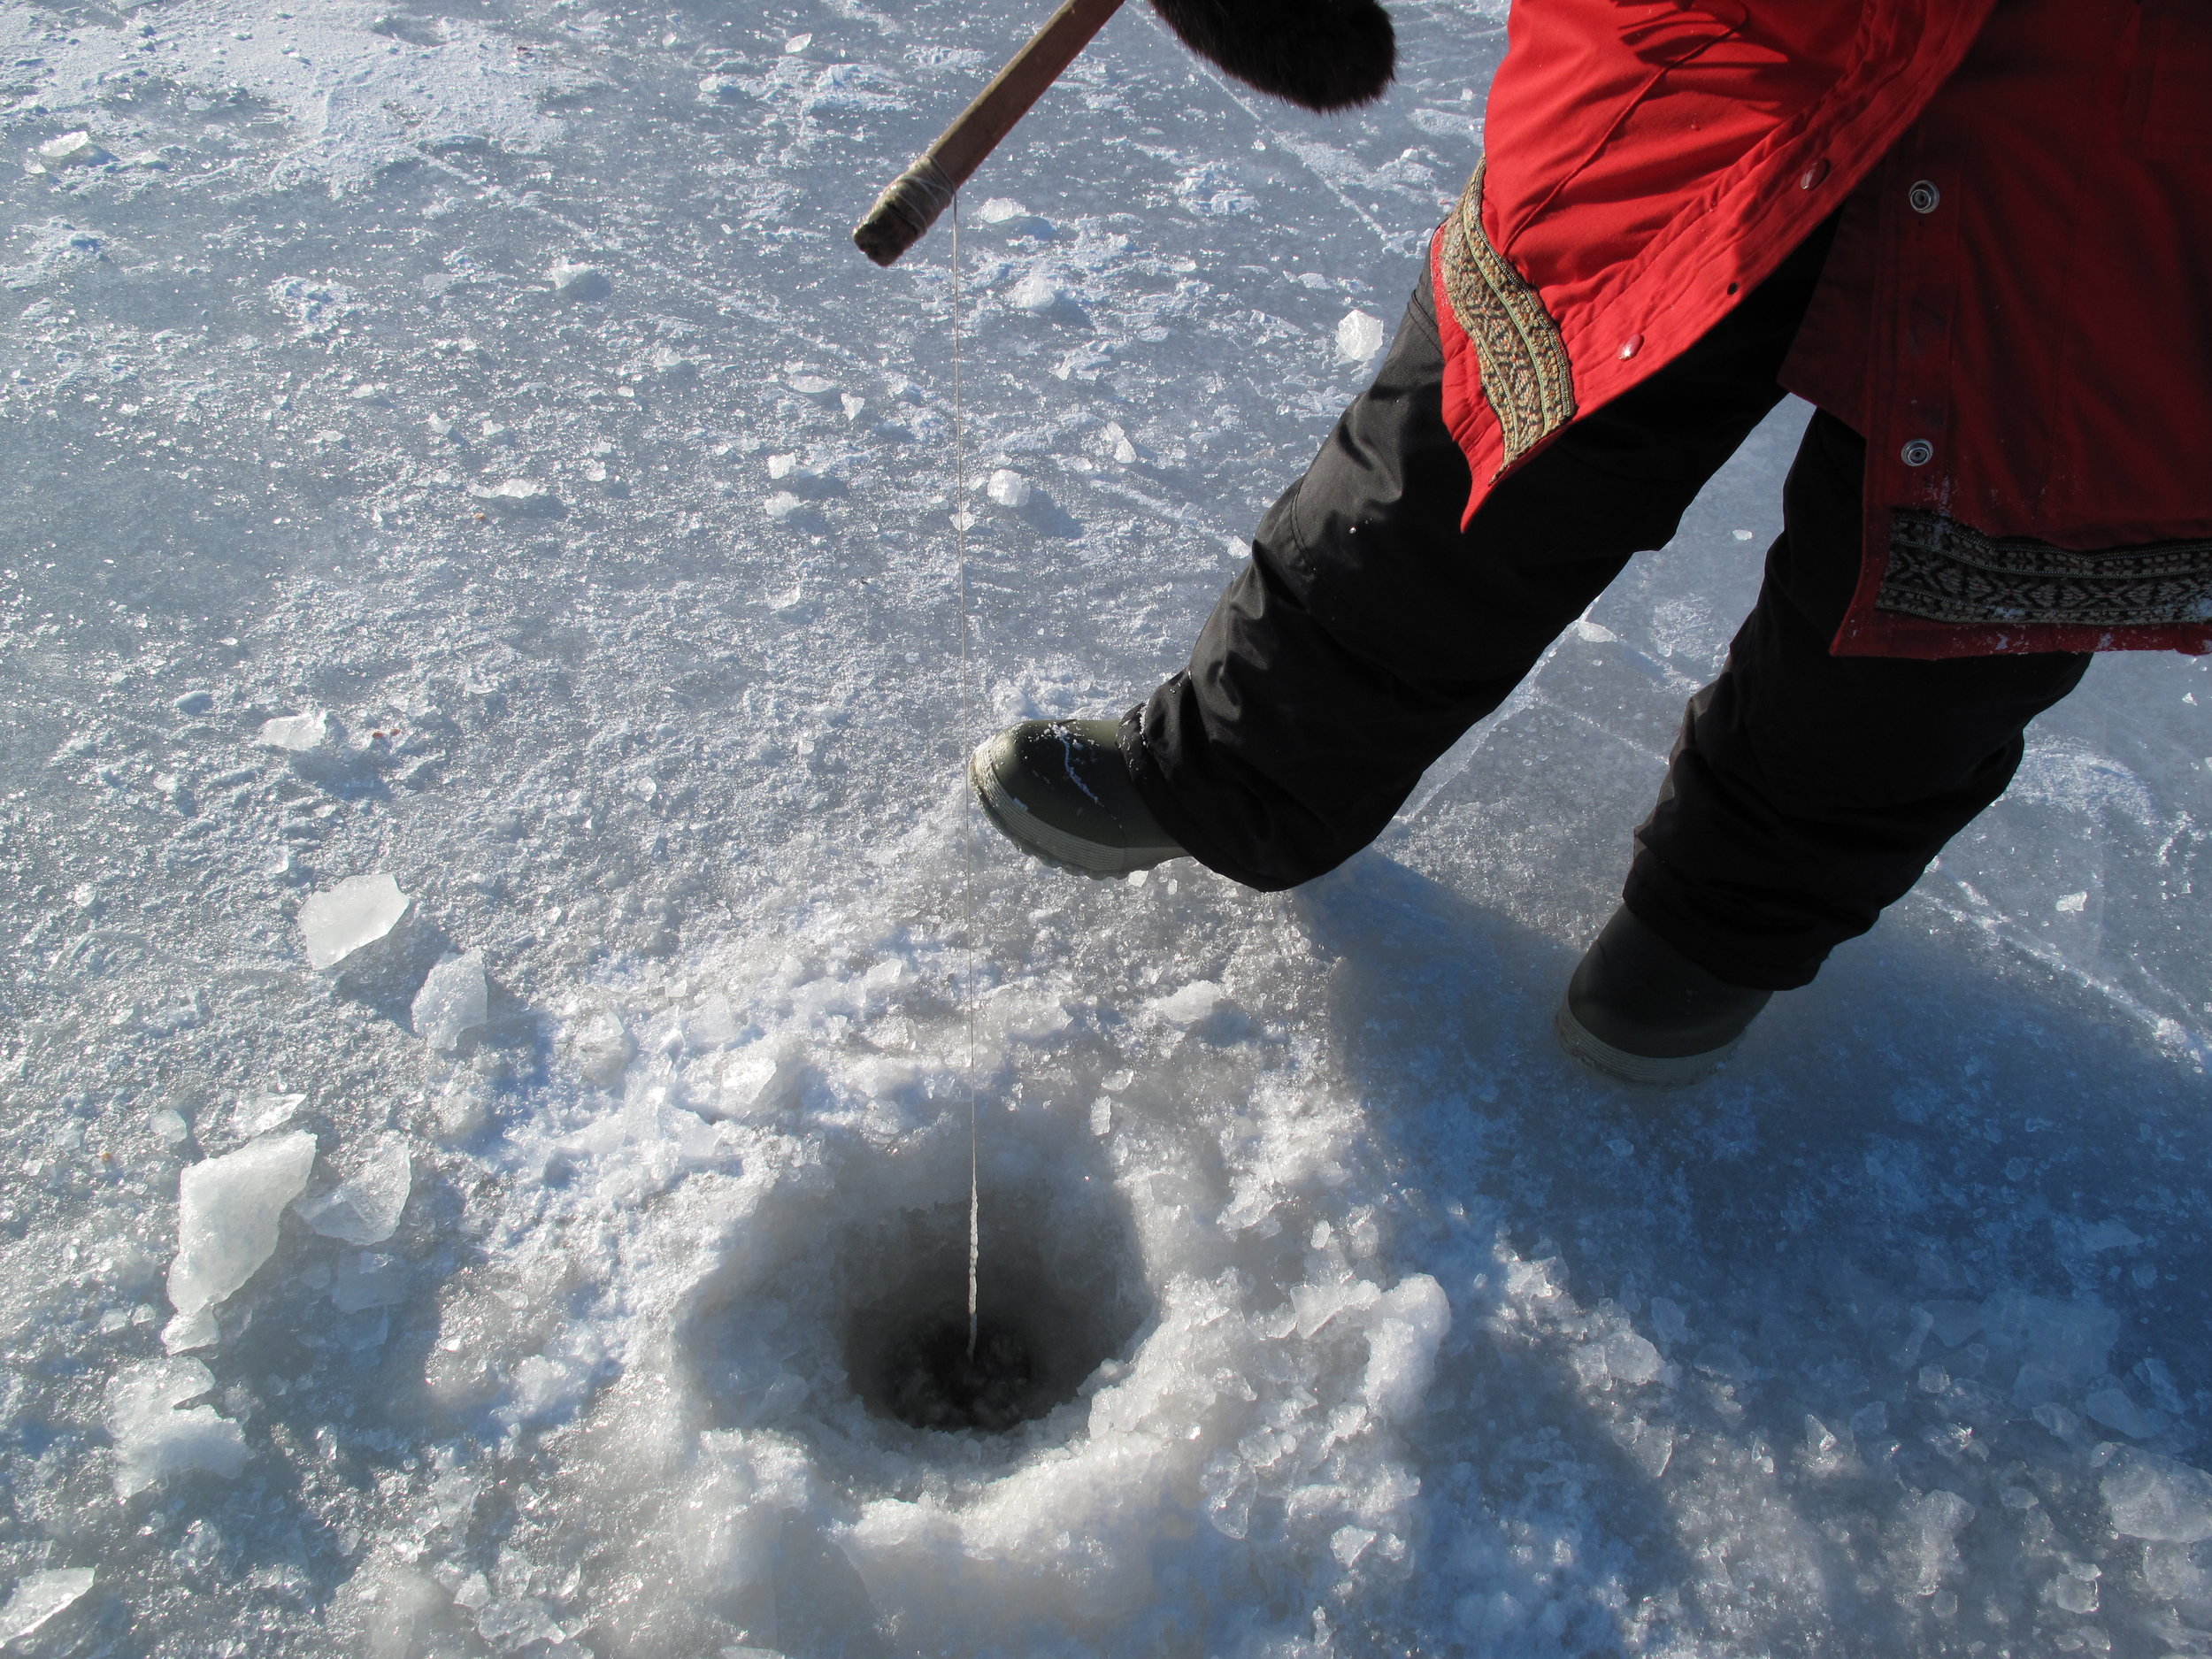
(38, 1598)
(228, 1211)
(454, 1000)
(158, 1435)
(355, 912)
(296, 732)
(366, 1209)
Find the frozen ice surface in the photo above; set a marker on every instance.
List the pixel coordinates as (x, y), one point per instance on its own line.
(228, 1211)
(1364, 1324)
(365, 1208)
(454, 1000)
(356, 912)
(158, 1435)
(38, 1597)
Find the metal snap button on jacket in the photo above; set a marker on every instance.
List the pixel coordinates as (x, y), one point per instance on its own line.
(1919, 452)
(1924, 197)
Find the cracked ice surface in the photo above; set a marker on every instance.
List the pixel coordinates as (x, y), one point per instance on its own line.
(458, 445)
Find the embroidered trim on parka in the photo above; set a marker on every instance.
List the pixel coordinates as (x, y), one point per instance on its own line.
(1526, 378)
(1943, 570)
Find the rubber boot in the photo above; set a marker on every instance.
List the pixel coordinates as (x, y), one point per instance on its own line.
(1640, 1011)
(1059, 790)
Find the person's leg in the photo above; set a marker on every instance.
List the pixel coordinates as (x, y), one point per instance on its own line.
(1809, 791)
(1369, 631)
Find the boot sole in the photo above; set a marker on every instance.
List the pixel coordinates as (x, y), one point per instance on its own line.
(1643, 1071)
(1042, 842)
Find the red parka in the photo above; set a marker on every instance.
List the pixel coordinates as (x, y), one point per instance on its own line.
(2016, 316)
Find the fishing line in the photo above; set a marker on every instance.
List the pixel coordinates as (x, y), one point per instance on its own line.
(968, 724)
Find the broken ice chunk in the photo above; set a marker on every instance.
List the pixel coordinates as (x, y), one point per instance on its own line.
(999, 208)
(70, 150)
(519, 498)
(355, 912)
(38, 1598)
(2158, 1498)
(781, 505)
(2112, 1408)
(454, 1000)
(256, 1115)
(227, 1211)
(1036, 293)
(1358, 337)
(757, 1080)
(155, 1440)
(297, 733)
(1008, 488)
(366, 1209)
(1194, 1003)
(578, 282)
(368, 1279)
(712, 1023)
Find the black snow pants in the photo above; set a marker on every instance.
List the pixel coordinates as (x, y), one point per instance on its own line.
(1806, 792)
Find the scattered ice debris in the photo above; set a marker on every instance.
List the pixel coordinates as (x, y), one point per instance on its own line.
(70, 150)
(355, 913)
(256, 1115)
(781, 466)
(781, 505)
(1118, 442)
(1359, 337)
(366, 1279)
(1926, 1531)
(1008, 488)
(298, 734)
(228, 1213)
(518, 498)
(156, 1434)
(38, 1598)
(798, 42)
(1194, 1003)
(2116, 1411)
(601, 1047)
(1036, 293)
(366, 1208)
(2112, 1235)
(811, 385)
(2071, 903)
(170, 1126)
(194, 703)
(454, 1001)
(711, 1024)
(578, 282)
(721, 89)
(756, 1081)
(2157, 1498)
(1000, 209)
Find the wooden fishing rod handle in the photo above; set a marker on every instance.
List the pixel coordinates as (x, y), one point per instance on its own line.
(913, 200)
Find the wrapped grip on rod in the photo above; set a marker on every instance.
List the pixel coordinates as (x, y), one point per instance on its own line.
(917, 196)
(904, 213)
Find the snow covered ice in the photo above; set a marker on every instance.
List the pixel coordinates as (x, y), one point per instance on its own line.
(372, 589)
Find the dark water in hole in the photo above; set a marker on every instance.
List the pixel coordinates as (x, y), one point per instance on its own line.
(1059, 1293)
(933, 1382)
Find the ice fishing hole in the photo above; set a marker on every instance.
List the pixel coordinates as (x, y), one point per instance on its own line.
(1059, 1294)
